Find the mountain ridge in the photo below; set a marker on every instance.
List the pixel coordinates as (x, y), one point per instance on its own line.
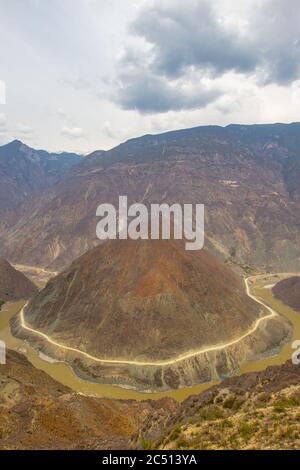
(25, 171)
(246, 184)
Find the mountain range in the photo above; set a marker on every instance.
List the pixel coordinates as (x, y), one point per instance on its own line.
(247, 177)
(147, 314)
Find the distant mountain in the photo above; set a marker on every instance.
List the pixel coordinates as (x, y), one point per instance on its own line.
(150, 301)
(13, 284)
(247, 177)
(288, 291)
(24, 171)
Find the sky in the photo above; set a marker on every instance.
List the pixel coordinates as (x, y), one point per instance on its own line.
(82, 75)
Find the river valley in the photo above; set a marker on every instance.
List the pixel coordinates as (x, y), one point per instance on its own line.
(62, 372)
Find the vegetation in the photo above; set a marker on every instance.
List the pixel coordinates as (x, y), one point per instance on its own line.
(146, 445)
(242, 418)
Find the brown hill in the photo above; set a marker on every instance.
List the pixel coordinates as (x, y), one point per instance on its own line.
(259, 410)
(247, 177)
(36, 412)
(150, 302)
(254, 411)
(288, 291)
(13, 284)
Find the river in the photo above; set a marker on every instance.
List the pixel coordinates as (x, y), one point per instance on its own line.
(64, 374)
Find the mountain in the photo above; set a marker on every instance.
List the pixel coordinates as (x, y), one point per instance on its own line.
(24, 171)
(247, 177)
(160, 312)
(288, 291)
(13, 284)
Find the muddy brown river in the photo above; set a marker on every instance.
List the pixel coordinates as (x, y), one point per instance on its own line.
(64, 374)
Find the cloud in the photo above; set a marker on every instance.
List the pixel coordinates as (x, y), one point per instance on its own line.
(61, 112)
(19, 130)
(177, 52)
(276, 30)
(190, 34)
(145, 66)
(24, 130)
(3, 127)
(78, 84)
(2, 92)
(150, 93)
(108, 130)
(73, 132)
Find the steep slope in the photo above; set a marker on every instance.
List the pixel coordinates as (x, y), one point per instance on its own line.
(13, 284)
(36, 412)
(24, 171)
(247, 177)
(254, 411)
(288, 291)
(150, 314)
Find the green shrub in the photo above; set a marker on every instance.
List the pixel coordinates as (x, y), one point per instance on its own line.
(211, 413)
(182, 443)
(280, 407)
(146, 445)
(175, 434)
(246, 430)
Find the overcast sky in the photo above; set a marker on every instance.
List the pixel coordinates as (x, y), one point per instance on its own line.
(82, 75)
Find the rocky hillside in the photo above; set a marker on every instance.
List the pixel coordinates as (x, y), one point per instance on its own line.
(24, 171)
(36, 412)
(150, 301)
(13, 284)
(255, 411)
(247, 177)
(288, 291)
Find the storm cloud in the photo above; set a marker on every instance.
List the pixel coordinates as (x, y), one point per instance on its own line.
(89, 74)
(150, 93)
(185, 41)
(190, 34)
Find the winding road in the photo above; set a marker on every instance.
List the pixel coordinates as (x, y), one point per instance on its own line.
(167, 362)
